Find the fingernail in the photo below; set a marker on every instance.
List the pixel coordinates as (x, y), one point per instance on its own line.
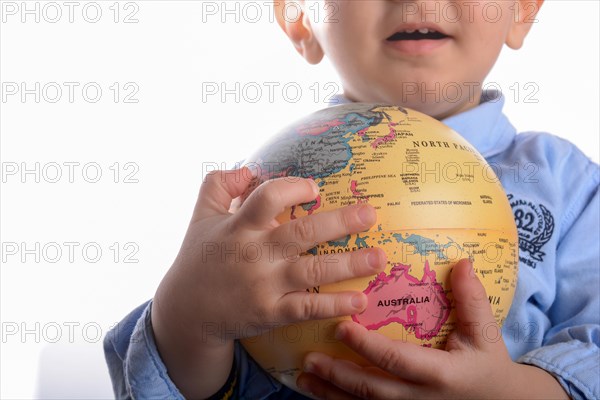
(471, 270)
(373, 259)
(365, 214)
(340, 333)
(308, 367)
(254, 169)
(358, 301)
(315, 187)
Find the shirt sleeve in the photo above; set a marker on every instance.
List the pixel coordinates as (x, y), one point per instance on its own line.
(137, 371)
(570, 350)
(134, 365)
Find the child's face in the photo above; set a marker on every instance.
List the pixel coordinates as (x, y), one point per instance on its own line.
(439, 76)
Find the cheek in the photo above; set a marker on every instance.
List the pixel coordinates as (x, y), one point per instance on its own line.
(484, 41)
(490, 24)
(350, 24)
(350, 47)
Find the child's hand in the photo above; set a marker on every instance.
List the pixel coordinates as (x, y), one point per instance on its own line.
(475, 364)
(239, 274)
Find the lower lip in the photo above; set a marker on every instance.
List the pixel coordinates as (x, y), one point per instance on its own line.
(417, 47)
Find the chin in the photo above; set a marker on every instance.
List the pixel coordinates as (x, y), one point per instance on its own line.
(437, 109)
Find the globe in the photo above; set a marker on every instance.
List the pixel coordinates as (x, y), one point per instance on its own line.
(437, 201)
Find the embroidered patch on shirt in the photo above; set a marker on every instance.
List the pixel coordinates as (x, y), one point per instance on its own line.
(535, 224)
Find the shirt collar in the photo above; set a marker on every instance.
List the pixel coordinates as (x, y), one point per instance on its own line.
(484, 126)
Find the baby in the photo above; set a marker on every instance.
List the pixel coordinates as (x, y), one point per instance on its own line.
(184, 343)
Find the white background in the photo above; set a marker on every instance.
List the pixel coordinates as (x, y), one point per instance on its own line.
(170, 137)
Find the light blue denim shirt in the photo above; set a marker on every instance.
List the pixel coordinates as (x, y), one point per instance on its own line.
(554, 322)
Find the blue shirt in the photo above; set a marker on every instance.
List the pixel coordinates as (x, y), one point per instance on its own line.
(554, 321)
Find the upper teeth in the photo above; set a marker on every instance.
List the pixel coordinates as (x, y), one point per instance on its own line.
(422, 30)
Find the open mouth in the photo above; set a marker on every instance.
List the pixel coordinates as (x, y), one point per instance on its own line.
(417, 34)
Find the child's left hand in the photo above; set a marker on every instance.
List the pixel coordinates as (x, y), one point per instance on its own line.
(475, 364)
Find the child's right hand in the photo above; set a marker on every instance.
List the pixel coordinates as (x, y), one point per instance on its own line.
(240, 273)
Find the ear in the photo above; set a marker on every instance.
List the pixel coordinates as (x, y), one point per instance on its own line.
(296, 24)
(524, 15)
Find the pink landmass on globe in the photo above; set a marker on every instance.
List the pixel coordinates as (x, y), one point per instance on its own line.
(319, 127)
(385, 138)
(421, 306)
(356, 193)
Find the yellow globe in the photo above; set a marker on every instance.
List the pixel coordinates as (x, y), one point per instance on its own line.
(437, 201)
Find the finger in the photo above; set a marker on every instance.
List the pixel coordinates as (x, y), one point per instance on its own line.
(219, 189)
(235, 205)
(312, 271)
(302, 306)
(402, 359)
(272, 197)
(366, 383)
(306, 232)
(316, 387)
(473, 311)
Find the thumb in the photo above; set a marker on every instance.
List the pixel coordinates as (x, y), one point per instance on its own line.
(473, 311)
(219, 189)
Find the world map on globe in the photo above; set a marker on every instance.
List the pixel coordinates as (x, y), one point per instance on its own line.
(437, 201)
